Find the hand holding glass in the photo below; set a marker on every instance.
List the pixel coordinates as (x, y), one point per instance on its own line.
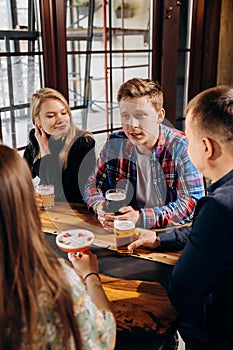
(46, 193)
(126, 233)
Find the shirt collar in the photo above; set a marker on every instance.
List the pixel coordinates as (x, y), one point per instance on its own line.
(220, 182)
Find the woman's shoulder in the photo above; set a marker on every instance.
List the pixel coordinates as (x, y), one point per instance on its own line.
(32, 147)
(84, 138)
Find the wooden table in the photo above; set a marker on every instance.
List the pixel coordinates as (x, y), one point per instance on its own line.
(134, 285)
(64, 217)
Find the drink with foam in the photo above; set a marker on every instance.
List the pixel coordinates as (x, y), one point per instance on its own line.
(115, 199)
(46, 193)
(126, 233)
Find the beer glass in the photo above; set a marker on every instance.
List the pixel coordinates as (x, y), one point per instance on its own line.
(115, 199)
(125, 233)
(46, 193)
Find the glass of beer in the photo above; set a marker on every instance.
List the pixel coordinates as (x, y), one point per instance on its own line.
(125, 233)
(46, 193)
(115, 199)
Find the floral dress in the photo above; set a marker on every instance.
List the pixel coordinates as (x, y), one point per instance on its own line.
(96, 326)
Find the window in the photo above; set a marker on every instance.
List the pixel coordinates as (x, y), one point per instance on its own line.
(20, 69)
(106, 45)
(86, 49)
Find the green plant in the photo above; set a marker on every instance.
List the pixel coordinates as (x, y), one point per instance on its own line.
(127, 10)
(126, 6)
(83, 3)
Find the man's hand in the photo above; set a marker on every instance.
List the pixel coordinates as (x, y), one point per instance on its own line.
(146, 238)
(107, 219)
(128, 213)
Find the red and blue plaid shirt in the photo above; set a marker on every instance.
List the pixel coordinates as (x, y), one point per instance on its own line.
(177, 183)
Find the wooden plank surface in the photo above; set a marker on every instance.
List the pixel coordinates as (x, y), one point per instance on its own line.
(64, 217)
(139, 305)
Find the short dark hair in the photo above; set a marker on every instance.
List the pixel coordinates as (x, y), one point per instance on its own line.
(213, 110)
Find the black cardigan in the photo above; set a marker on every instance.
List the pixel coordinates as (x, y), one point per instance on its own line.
(69, 183)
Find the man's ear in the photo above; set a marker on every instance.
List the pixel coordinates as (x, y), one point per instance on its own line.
(207, 147)
(161, 115)
(212, 149)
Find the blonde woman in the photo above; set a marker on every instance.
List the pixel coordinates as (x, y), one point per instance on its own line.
(43, 301)
(58, 152)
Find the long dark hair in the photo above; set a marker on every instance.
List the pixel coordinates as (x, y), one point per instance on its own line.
(28, 266)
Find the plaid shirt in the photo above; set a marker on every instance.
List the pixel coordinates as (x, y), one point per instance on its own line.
(177, 183)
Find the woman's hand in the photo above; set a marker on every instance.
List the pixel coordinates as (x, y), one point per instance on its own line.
(84, 262)
(39, 201)
(42, 140)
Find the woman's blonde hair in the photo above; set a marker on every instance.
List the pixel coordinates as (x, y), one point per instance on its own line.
(28, 265)
(39, 97)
